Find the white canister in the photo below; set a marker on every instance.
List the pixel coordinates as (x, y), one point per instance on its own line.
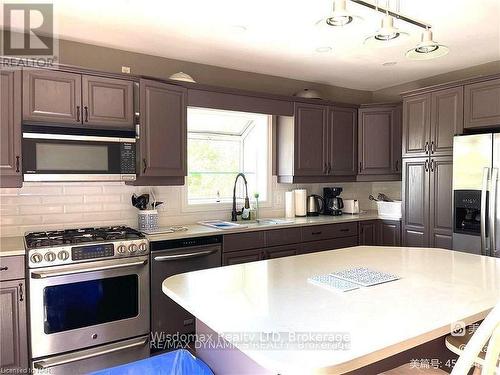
(289, 204)
(300, 202)
(148, 220)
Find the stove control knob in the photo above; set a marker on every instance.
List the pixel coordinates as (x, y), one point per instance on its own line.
(63, 255)
(143, 247)
(50, 256)
(121, 249)
(132, 248)
(36, 258)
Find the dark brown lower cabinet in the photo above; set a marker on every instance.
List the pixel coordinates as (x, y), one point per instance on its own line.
(427, 202)
(332, 244)
(380, 233)
(14, 348)
(242, 256)
(369, 232)
(390, 233)
(282, 251)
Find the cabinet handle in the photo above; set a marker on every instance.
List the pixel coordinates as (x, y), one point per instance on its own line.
(316, 233)
(360, 166)
(433, 147)
(427, 166)
(344, 230)
(397, 165)
(426, 147)
(77, 113)
(325, 168)
(145, 164)
(432, 165)
(86, 109)
(17, 164)
(4, 268)
(21, 292)
(329, 168)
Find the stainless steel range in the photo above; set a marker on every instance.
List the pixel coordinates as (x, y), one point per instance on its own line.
(89, 298)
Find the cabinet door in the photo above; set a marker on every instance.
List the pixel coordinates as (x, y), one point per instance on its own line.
(243, 256)
(369, 232)
(310, 139)
(390, 233)
(52, 96)
(14, 348)
(10, 128)
(447, 119)
(397, 137)
(482, 104)
(416, 202)
(333, 244)
(376, 141)
(440, 212)
(282, 251)
(163, 132)
(343, 141)
(416, 125)
(108, 102)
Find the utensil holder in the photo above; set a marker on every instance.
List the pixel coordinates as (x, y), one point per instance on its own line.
(148, 220)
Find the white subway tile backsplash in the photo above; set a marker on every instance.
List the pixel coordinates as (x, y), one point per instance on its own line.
(45, 209)
(85, 207)
(79, 190)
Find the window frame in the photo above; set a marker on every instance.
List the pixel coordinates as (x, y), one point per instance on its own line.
(227, 206)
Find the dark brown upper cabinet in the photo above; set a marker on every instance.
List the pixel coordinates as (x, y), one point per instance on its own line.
(427, 196)
(379, 143)
(447, 119)
(108, 101)
(52, 96)
(163, 130)
(416, 125)
(311, 129)
(317, 144)
(343, 139)
(10, 129)
(56, 97)
(482, 104)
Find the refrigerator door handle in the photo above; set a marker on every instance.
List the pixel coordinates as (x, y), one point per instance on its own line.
(484, 191)
(492, 214)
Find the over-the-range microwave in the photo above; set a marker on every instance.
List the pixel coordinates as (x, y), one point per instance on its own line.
(53, 153)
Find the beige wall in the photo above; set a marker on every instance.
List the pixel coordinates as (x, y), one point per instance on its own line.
(392, 93)
(111, 60)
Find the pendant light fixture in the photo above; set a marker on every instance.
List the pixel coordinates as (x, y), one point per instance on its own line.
(427, 49)
(388, 34)
(340, 15)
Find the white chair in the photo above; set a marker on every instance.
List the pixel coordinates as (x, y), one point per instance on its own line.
(470, 349)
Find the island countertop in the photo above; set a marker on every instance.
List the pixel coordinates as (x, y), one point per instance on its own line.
(437, 289)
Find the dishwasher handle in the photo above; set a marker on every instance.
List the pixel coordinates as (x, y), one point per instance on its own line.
(194, 254)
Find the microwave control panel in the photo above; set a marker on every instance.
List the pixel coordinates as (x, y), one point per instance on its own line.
(127, 158)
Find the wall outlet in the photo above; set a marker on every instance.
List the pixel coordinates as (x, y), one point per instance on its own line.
(126, 69)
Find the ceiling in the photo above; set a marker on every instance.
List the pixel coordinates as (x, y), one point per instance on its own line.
(280, 37)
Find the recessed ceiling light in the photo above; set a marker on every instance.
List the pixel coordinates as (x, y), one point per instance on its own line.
(389, 63)
(324, 49)
(340, 16)
(387, 34)
(427, 49)
(239, 28)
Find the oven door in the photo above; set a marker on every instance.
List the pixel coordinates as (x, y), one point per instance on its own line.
(66, 157)
(82, 305)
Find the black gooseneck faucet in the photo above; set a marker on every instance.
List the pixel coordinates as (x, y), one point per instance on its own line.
(234, 212)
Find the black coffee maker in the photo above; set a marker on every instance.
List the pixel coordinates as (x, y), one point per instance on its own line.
(333, 203)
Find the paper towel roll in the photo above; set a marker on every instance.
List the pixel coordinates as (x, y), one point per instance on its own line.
(289, 204)
(300, 202)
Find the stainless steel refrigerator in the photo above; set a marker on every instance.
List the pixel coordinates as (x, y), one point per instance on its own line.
(476, 201)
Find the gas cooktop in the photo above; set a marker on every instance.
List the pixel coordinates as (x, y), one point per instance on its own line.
(35, 240)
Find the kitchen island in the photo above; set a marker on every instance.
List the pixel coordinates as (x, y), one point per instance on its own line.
(437, 288)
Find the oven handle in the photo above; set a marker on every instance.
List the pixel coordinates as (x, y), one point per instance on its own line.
(46, 274)
(46, 364)
(165, 258)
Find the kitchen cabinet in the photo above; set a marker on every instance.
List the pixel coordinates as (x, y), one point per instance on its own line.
(390, 233)
(282, 251)
(482, 104)
(427, 197)
(379, 145)
(369, 232)
(107, 101)
(331, 244)
(163, 131)
(430, 121)
(10, 129)
(242, 256)
(14, 348)
(329, 231)
(343, 141)
(317, 144)
(57, 97)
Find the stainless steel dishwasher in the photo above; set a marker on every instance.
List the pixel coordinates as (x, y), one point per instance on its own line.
(169, 258)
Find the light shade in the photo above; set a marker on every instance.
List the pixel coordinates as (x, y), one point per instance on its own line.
(387, 35)
(340, 16)
(427, 49)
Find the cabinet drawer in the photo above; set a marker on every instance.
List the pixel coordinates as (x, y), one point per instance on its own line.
(12, 268)
(279, 237)
(243, 241)
(240, 257)
(324, 232)
(282, 251)
(337, 243)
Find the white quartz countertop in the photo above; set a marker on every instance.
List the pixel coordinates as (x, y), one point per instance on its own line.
(11, 246)
(437, 288)
(197, 230)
